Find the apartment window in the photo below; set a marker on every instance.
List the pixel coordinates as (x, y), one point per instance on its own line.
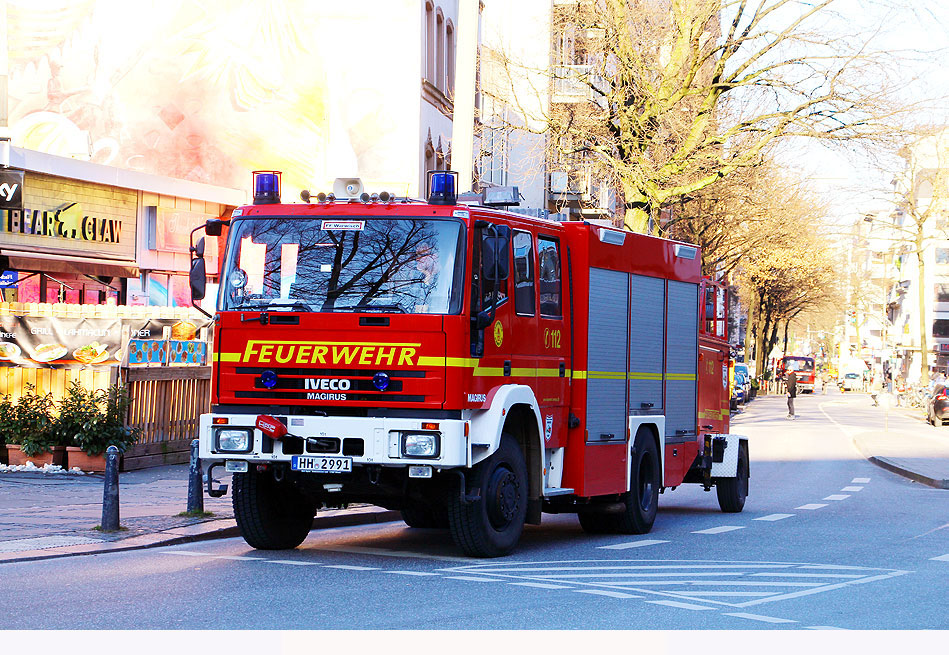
(523, 274)
(941, 328)
(942, 255)
(439, 51)
(942, 292)
(429, 42)
(450, 47)
(494, 143)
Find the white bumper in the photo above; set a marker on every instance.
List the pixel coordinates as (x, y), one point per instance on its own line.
(380, 437)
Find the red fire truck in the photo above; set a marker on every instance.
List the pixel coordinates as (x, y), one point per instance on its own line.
(469, 366)
(802, 366)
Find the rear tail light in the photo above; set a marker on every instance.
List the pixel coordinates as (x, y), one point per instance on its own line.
(942, 396)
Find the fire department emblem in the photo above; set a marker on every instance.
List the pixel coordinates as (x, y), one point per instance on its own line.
(498, 334)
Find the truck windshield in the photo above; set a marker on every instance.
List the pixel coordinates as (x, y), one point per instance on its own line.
(401, 265)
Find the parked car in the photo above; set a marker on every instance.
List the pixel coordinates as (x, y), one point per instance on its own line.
(742, 369)
(851, 382)
(738, 393)
(937, 406)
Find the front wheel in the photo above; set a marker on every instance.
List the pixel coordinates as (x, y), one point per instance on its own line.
(271, 515)
(732, 492)
(491, 525)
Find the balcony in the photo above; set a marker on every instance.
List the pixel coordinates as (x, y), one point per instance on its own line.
(572, 84)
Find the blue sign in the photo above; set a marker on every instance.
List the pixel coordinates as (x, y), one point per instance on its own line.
(9, 279)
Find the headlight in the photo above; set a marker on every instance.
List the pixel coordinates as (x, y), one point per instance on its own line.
(233, 440)
(420, 445)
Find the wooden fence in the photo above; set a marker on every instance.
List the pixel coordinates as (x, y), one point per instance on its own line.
(166, 404)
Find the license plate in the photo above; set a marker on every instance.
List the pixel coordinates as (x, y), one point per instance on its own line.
(321, 464)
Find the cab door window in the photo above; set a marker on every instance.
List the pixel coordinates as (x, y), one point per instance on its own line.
(548, 251)
(524, 297)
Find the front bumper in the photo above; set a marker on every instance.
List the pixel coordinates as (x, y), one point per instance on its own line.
(369, 441)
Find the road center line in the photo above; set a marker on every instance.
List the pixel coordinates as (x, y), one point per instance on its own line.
(812, 506)
(719, 529)
(635, 544)
(773, 517)
(759, 617)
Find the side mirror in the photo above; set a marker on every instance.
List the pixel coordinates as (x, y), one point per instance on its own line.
(198, 276)
(214, 227)
(483, 319)
(495, 257)
(198, 250)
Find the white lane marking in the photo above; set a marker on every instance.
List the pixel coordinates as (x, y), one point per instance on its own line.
(773, 517)
(240, 558)
(852, 489)
(642, 575)
(837, 497)
(188, 553)
(941, 558)
(539, 585)
(823, 627)
(420, 574)
(809, 575)
(289, 562)
(635, 544)
(719, 529)
(684, 606)
(812, 506)
(365, 550)
(758, 617)
(350, 567)
(471, 578)
(603, 592)
(749, 594)
(860, 480)
(516, 568)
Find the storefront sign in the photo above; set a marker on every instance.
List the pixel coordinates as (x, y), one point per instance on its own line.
(71, 342)
(68, 223)
(9, 279)
(11, 189)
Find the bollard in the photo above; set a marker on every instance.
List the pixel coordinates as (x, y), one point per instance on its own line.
(195, 488)
(110, 491)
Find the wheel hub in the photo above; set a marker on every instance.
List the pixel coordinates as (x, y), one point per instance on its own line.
(502, 497)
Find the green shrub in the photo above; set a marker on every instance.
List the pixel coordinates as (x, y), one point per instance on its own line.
(97, 419)
(7, 419)
(32, 424)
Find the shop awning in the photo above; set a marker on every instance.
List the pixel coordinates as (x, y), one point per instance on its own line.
(39, 262)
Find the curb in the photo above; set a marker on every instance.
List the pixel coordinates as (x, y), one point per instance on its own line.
(226, 529)
(893, 467)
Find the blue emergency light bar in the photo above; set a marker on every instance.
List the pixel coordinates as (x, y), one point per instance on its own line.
(442, 187)
(266, 187)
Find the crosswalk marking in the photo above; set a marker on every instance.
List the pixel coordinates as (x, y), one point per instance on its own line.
(860, 480)
(758, 617)
(812, 506)
(852, 488)
(634, 544)
(837, 497)
(941, 558)
(719, 529)
(773, 517)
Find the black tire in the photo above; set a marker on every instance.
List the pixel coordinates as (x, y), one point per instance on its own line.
(271, 515)
(732, 492)
(641, 502)
(492, 525)
(421, 515)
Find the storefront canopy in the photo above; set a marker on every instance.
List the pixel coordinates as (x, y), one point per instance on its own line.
(37, 262)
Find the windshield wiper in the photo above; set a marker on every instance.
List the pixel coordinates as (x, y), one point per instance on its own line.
(381, 308)
(279, 303)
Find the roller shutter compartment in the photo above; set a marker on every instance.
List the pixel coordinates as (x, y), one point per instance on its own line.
(681, 358)
(606, 356)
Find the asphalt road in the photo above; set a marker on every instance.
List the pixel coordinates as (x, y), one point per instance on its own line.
(826, 540)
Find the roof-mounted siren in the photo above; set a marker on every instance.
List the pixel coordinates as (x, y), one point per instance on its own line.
(266, 187)
(347, 187)
(442, 188)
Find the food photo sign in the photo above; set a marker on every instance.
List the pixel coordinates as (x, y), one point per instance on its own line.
(40, 342)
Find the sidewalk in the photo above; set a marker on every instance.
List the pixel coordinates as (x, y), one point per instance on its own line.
(53, 513)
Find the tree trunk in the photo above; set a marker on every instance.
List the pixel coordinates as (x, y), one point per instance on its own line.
(921, 291)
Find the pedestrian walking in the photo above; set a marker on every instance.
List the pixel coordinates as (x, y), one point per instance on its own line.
(792, 393)
(876, 386)
(900, 391)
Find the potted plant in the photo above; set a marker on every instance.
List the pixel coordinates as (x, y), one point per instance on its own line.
(30, 437)
(7, 418)
(95, 420)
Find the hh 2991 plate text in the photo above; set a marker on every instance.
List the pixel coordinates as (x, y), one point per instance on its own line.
(321, 464)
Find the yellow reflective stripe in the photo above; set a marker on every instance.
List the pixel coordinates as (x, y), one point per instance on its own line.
(645, 376)
(606, 375)
(680, 376)
(579, 375)
(228, 357)
(431, 361)
(549, 373)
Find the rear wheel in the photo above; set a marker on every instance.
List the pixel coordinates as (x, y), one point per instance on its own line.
(271, 515)
(732, 492)
(491, 526)
(641, 502)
